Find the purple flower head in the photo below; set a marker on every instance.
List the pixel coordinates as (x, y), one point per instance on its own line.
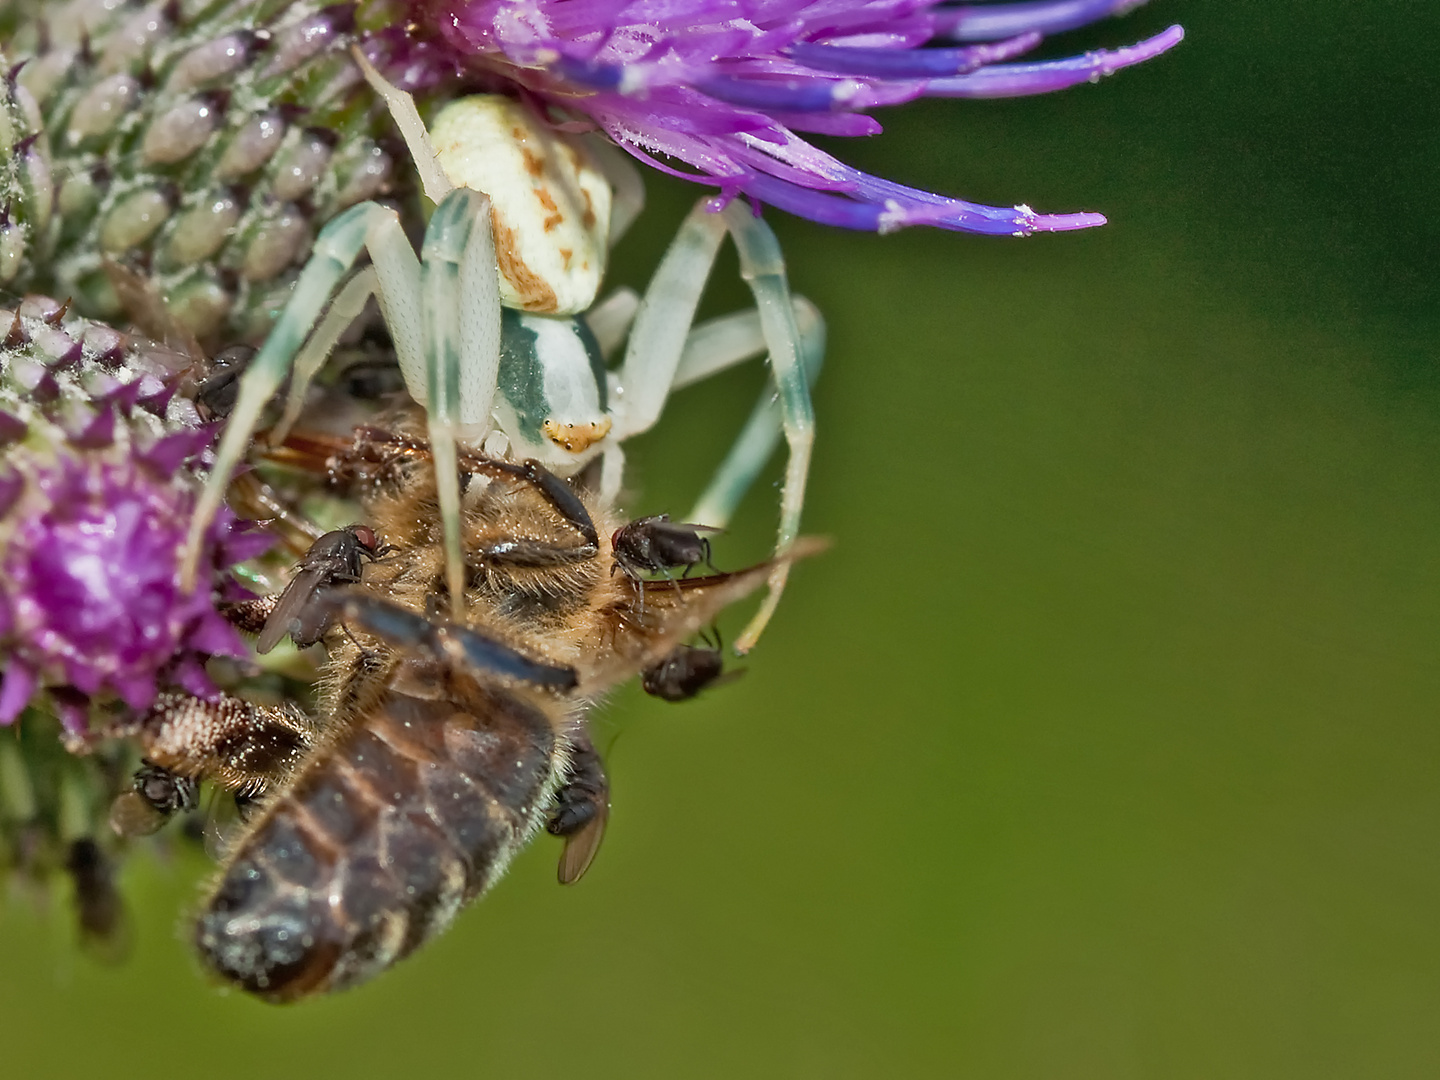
(91, 595)
(96, 492)
(722, 86)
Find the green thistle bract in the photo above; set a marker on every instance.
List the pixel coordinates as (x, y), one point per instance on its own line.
(198, 146)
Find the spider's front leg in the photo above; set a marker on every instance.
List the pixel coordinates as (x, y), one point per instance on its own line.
(460, 306)
(367, 225)
(443, 314)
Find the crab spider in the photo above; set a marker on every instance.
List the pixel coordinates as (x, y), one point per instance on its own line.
(509, 354)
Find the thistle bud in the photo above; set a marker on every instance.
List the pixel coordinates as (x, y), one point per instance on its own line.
(200, 147)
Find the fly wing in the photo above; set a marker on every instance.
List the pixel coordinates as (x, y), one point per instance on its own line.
(684, 527)
(290, 610)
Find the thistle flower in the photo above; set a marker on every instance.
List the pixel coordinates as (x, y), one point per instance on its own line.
(96, 492)
(722, 86)
(202, 147)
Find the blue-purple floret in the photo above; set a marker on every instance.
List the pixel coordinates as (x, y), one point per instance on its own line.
(716, 90)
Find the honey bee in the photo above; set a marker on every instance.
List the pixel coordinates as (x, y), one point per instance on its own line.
(443, 745)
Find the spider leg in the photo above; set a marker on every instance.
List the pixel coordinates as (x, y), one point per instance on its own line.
(344, 310)
(412, 129)
(335, 251)
(726, 340)
(460, 298)
(666, 313)
(612, 474)
(662, 336)
(609, 319)
(763, 268)
(624, 178)
(756, 442)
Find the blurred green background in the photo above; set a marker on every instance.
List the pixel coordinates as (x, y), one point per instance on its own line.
(1102, 743)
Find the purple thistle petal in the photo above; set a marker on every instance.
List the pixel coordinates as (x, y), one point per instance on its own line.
(916, 64)
(801, 95)
(170, 452)
(1018, 80)
(155, 400)
(126, 395)
(989, 22)
(848, 125)
(90, 575)
(721, 86)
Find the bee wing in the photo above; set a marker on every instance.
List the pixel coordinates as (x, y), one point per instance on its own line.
(224, 823)
(290, 608)
(656, 616)
(581, 846)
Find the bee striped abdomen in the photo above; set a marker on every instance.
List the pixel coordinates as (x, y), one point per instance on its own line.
(379, 843)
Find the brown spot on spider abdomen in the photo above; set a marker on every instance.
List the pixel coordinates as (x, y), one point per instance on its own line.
(533, 290)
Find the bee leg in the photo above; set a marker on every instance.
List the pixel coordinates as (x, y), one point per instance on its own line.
(239, 744)
(557, 492)
(248, 616)
(582, 807)
(533, 554)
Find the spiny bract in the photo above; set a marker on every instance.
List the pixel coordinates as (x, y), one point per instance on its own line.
(198, 146)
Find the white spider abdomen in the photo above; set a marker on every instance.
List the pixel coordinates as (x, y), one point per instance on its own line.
(551, 204)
